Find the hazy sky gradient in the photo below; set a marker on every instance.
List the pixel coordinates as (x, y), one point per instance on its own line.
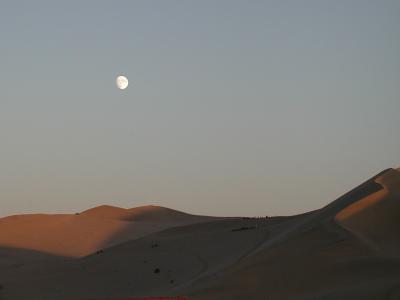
(233, 107)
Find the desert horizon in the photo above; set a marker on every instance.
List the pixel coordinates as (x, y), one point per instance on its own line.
(109, 252)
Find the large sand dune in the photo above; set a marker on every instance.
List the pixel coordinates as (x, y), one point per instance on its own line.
(346, 250)
(376, 218)
(95, 229)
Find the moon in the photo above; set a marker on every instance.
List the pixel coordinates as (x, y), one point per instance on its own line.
(122, 82)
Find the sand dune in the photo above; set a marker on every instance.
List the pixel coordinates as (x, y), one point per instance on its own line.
(143, 213)
(346, 250)
(376, 218)
(88, 232)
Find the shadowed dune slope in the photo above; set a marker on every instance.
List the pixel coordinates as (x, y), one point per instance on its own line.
(11, 258)
(95, 229)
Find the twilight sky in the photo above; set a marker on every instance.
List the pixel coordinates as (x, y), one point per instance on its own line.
(233, 107)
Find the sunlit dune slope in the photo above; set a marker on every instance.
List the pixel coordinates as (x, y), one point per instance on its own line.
(142, 213)
(376, 217)
(82, 234)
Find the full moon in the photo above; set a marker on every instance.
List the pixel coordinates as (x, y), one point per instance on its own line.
(122, 82)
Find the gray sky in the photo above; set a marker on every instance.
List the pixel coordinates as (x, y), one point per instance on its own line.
(233, 107)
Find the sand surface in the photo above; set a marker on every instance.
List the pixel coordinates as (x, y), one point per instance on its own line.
(90, 231)
(346, 250)
(376, 218)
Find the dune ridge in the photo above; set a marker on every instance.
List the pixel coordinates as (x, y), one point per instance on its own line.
(376, 218)
(77, 235)
(345, 250)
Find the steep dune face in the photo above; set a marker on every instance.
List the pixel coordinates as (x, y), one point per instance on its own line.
(375, 218)
(86, 233)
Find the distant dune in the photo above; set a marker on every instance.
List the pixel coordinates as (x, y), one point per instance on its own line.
(346, 250)
(92, 230)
